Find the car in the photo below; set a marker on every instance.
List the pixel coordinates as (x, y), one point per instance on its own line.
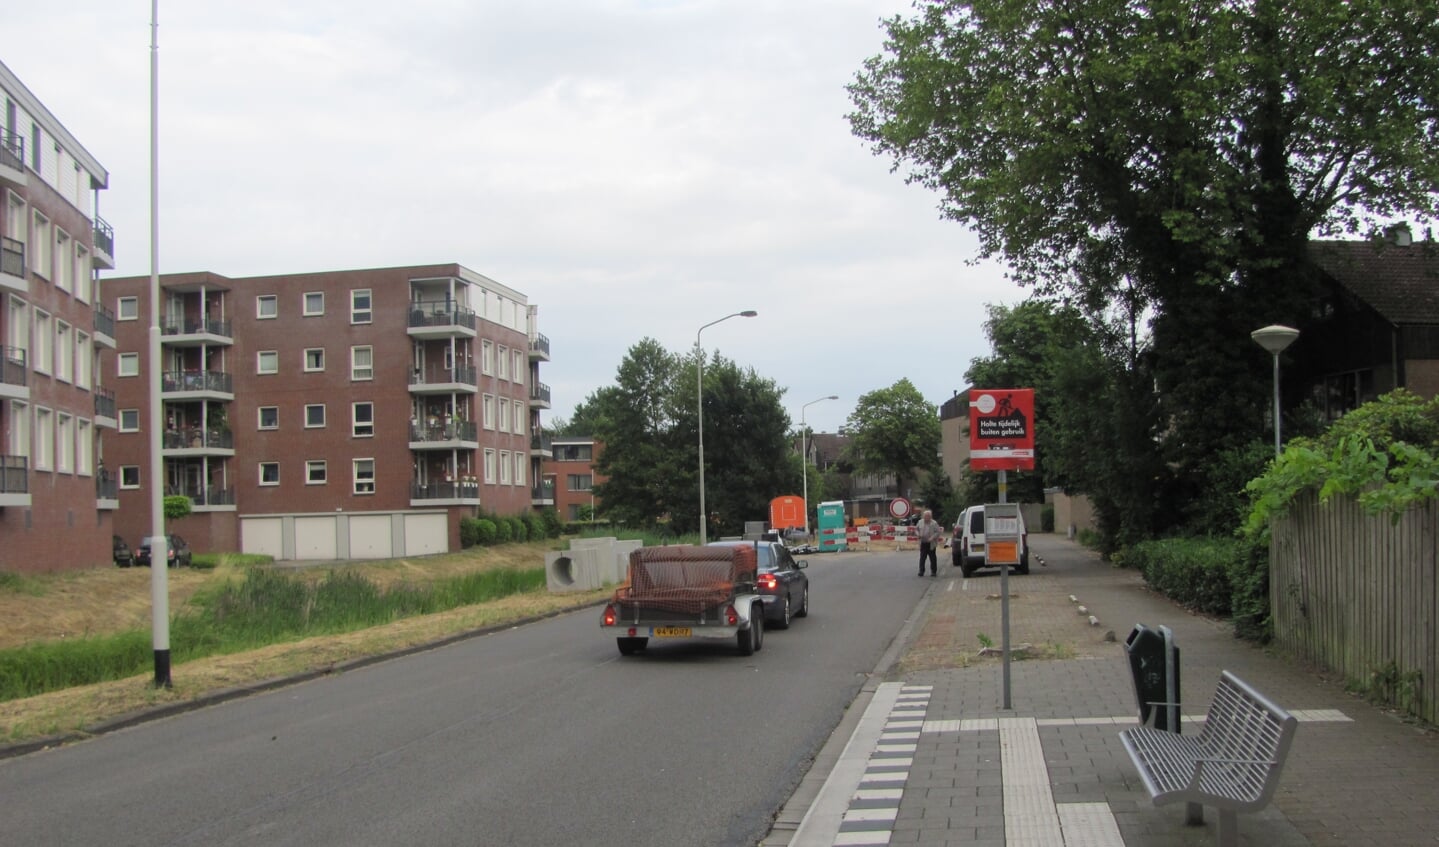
(966, 549)
(123, 555)
(782, 583)
(177, 551)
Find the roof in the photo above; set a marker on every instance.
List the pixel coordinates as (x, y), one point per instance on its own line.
(1400, 283)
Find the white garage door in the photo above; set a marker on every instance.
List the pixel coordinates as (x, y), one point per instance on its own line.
(370, 537)
(315, 538)
(425, 534)
(263, 536)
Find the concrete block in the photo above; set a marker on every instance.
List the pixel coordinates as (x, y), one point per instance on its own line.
(572, 570)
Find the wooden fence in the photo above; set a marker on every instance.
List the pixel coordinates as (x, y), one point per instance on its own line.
(1357, 593)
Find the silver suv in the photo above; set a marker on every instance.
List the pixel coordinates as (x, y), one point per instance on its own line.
(966, 548)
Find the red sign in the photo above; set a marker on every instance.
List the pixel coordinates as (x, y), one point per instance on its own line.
(899, 508)
(1001, 429)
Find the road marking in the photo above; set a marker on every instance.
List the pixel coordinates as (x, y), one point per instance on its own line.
(1030, 819)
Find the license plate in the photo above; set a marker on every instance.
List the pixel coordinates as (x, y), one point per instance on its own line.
(672, 632)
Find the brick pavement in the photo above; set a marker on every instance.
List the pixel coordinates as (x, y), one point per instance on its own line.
(1356, 775)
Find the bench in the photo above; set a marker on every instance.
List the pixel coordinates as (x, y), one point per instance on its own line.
(1232, 765)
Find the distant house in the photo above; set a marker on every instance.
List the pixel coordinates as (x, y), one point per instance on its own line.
(1376, 326)
(569, 475)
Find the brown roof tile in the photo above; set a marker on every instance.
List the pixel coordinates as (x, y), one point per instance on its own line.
(1400, 283)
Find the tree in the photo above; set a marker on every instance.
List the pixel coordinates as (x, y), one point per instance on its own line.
(1178, 152)
(894, 430)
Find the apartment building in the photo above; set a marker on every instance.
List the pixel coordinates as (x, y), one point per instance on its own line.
(333, 415)
(569, 475)
(57, 500)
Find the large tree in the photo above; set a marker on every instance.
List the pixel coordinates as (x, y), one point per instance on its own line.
(894, 430)
(1187, 148)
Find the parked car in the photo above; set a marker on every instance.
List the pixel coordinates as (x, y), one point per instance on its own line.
(783, 584)
(124, 556)
(177, 553)
(966, 549)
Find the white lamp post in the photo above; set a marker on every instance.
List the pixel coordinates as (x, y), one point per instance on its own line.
(700, 410)
(804, 457)
(1275, 338)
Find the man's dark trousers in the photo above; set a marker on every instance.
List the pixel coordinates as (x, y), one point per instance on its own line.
(926, 550)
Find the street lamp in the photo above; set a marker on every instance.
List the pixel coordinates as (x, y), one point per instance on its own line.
(700, 410)
(804, 458)
(1275, 338)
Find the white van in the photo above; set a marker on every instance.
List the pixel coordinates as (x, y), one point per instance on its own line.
(966, 550)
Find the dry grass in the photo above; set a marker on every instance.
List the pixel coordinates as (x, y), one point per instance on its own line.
(96, 602)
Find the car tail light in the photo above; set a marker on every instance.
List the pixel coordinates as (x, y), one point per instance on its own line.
(731, 616)
(768, 581)
(611, 615)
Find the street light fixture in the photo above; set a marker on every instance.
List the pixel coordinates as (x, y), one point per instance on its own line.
(1275, 338)
(804, 457)
(700, 411)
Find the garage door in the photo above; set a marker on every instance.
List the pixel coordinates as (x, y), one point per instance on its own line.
(315, 538)
(370, 537)
(425, 534)
(263, 536)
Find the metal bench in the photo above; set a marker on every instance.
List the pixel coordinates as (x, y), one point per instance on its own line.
(1232, 765)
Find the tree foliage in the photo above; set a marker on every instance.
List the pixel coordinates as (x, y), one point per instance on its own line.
(894, 430)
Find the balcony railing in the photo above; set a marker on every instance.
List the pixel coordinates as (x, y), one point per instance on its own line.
(441, 314)
(452, 431)
(12, 366)
(107, 487)
(14, 475)
(211, 495)
(458, 490)
(189, 326)
(542, 443)
(12, 150)
(197, 381)
(540, 344)
(104, 402)
(104, 237)
(12, 257)
(197, 438)
(540, 392)
(463, 374)
(543, 491)
(104, 320)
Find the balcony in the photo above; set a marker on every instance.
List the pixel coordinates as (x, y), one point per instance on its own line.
(441, 380)
(12, 157)
(197, 385)
(440, 319)
(462, 435)
(208, 498)
(189, 332)
(459, 493)
(542, 444)
(198, 441)
(14, 375)
(539, 348)
(539, 396)
(14, 480)
(104, 244)
(12, 266)
(105, 408)
(107, 490)
(104, 327)
(543, 494)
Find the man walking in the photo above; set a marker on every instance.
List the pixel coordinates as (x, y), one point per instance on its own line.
(929, 532)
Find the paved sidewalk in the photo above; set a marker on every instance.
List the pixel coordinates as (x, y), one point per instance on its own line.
(936, 759)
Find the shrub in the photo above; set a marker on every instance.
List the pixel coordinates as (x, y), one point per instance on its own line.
(469, 532)
(1196, 572)
(553, 525)
(1249, 584)
(504, 531)
(519, 530)
(485, 531)
(537, 529)
(1046, 518)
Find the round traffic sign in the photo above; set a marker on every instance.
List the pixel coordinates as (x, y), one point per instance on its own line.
(899, 508)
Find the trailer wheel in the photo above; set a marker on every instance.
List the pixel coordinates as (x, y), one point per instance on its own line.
(749, 640)
(631, 646)
(758, 627)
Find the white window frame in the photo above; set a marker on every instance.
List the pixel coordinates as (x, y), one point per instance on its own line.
(127, 365)
(502, 362)
(266, 483)
(359, 429)
(504, 461)
(522, 462)
(260, 418)
(487, 411)
(316, 472)
(129, 476)
(359, 315)
(122, 415)
(307, 309)
(64, 352)
(84, 446)
(358, 372)
(64, 261)
(487, 357)
(314, 359)
(83, 354)
(503, 421)
(267, 307)
(267, 357)
(64, 442)
(41, 261)
(20, 428)
(489, 466)
(82, 273)
(362, 472)
(44, 439)
(308, 408)
(127, 309)
(518, 371)
(44, 351)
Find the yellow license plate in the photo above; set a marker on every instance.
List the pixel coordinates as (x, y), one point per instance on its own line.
(672, 632)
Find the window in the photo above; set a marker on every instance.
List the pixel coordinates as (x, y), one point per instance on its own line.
(581, 482)
(363, 420)
(489, 466)
(64, 261)
(267, 362)
(82, 273)
(314, 359)
(269, 417)
(129, 420)
(83, 356)
(129, 476)
(64, 443)
(504, 467)
(362, 363)
(83, 446)
(315, 472)
(267, 307)
(127, 309)
(504, 361)
(128, 364)
(487, 357)
(64, 353)
(361, 306)
(19, 429)
(522, 460)
(518, 369)
(574, 452)
(44, 343)
(364, 471)
(269, 473)
(44, 440)
(314, 303)
(314, 416)
(504, 415)
(487, 411)
(43, 244)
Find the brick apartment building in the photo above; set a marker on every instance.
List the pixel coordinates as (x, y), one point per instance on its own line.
(570, 475)
(332, 415)
(57, 503)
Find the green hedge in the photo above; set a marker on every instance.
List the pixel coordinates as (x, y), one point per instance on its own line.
(1197, 572)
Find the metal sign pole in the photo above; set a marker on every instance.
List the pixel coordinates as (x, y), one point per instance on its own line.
(1004, 597)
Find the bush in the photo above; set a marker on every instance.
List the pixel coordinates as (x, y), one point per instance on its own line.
(485, 531)
(1046, 518)
(469, 532)
(536, 526)
(519, 530)
(1196, 572)
(1249, 584)
(504, 531)
(553, 525)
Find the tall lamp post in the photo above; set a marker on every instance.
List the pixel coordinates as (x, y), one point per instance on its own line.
(804, 457)
(700, 411)
(1275, 338)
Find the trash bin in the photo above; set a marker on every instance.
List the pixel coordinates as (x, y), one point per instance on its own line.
(1154, 660)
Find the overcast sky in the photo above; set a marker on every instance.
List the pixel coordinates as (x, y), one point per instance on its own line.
(635, 167)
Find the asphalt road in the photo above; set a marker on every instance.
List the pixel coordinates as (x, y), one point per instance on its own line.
(539, 735)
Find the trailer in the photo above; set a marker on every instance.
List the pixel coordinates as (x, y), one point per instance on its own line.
(684, 591)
